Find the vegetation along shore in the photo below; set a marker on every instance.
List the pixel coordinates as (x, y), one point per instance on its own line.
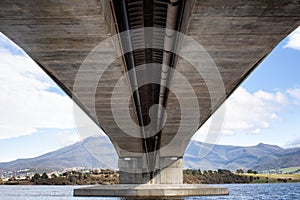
(190, 176)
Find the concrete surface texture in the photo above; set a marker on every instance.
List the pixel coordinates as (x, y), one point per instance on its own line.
(151, 190)
(225, 40)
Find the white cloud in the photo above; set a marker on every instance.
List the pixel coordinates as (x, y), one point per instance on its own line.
(26, 105)
(295, 94)
(30, 100)
(294, 40)
(256, 131)
(250, 113)
(67, 137)
(293, 144)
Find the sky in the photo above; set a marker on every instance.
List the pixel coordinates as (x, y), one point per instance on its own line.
(37, 117)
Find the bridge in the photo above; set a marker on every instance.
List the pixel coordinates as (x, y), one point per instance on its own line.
(149, 73)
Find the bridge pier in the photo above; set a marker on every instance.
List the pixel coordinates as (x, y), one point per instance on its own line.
(129, 171)
(168, 182)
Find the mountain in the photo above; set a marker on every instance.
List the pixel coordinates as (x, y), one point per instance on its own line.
(78, 154)
(99, 152)
(283, 159)
(259, 157)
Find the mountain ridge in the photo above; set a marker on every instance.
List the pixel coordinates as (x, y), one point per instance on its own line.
(99, 152)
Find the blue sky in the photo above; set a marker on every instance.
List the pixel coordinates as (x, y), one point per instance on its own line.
(265, 108)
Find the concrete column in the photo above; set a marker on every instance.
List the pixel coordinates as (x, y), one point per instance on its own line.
(130, 171)
(172, 174)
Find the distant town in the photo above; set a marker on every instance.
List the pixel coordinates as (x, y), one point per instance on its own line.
(97, 176)
(68, 176)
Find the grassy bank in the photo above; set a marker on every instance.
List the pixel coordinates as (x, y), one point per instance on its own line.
(273, 178)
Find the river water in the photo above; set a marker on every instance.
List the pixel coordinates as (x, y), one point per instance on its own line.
(285, 191)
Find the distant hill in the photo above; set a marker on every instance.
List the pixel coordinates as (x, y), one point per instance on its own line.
(197, 156)
(282, 159)
(259, 157)
(71, 156)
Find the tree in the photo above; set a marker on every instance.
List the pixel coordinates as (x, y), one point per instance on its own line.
(36, 177)
(250, 171)
(44, 176)
(72, 179)
(187, 171)
(12, 179)
(53, 175)
(239, 171)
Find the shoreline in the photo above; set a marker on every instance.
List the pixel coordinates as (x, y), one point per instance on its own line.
(252, 183)
(190, 176)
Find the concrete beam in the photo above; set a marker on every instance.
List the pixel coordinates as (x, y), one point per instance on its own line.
(151, 190)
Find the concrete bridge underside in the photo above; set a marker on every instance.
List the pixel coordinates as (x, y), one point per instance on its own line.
(59, 35)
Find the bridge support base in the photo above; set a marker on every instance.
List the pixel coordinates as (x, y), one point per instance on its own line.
(167, 175)
(167, 183)
(151, 190)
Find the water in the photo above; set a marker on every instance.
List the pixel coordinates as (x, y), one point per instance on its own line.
(285, 191)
